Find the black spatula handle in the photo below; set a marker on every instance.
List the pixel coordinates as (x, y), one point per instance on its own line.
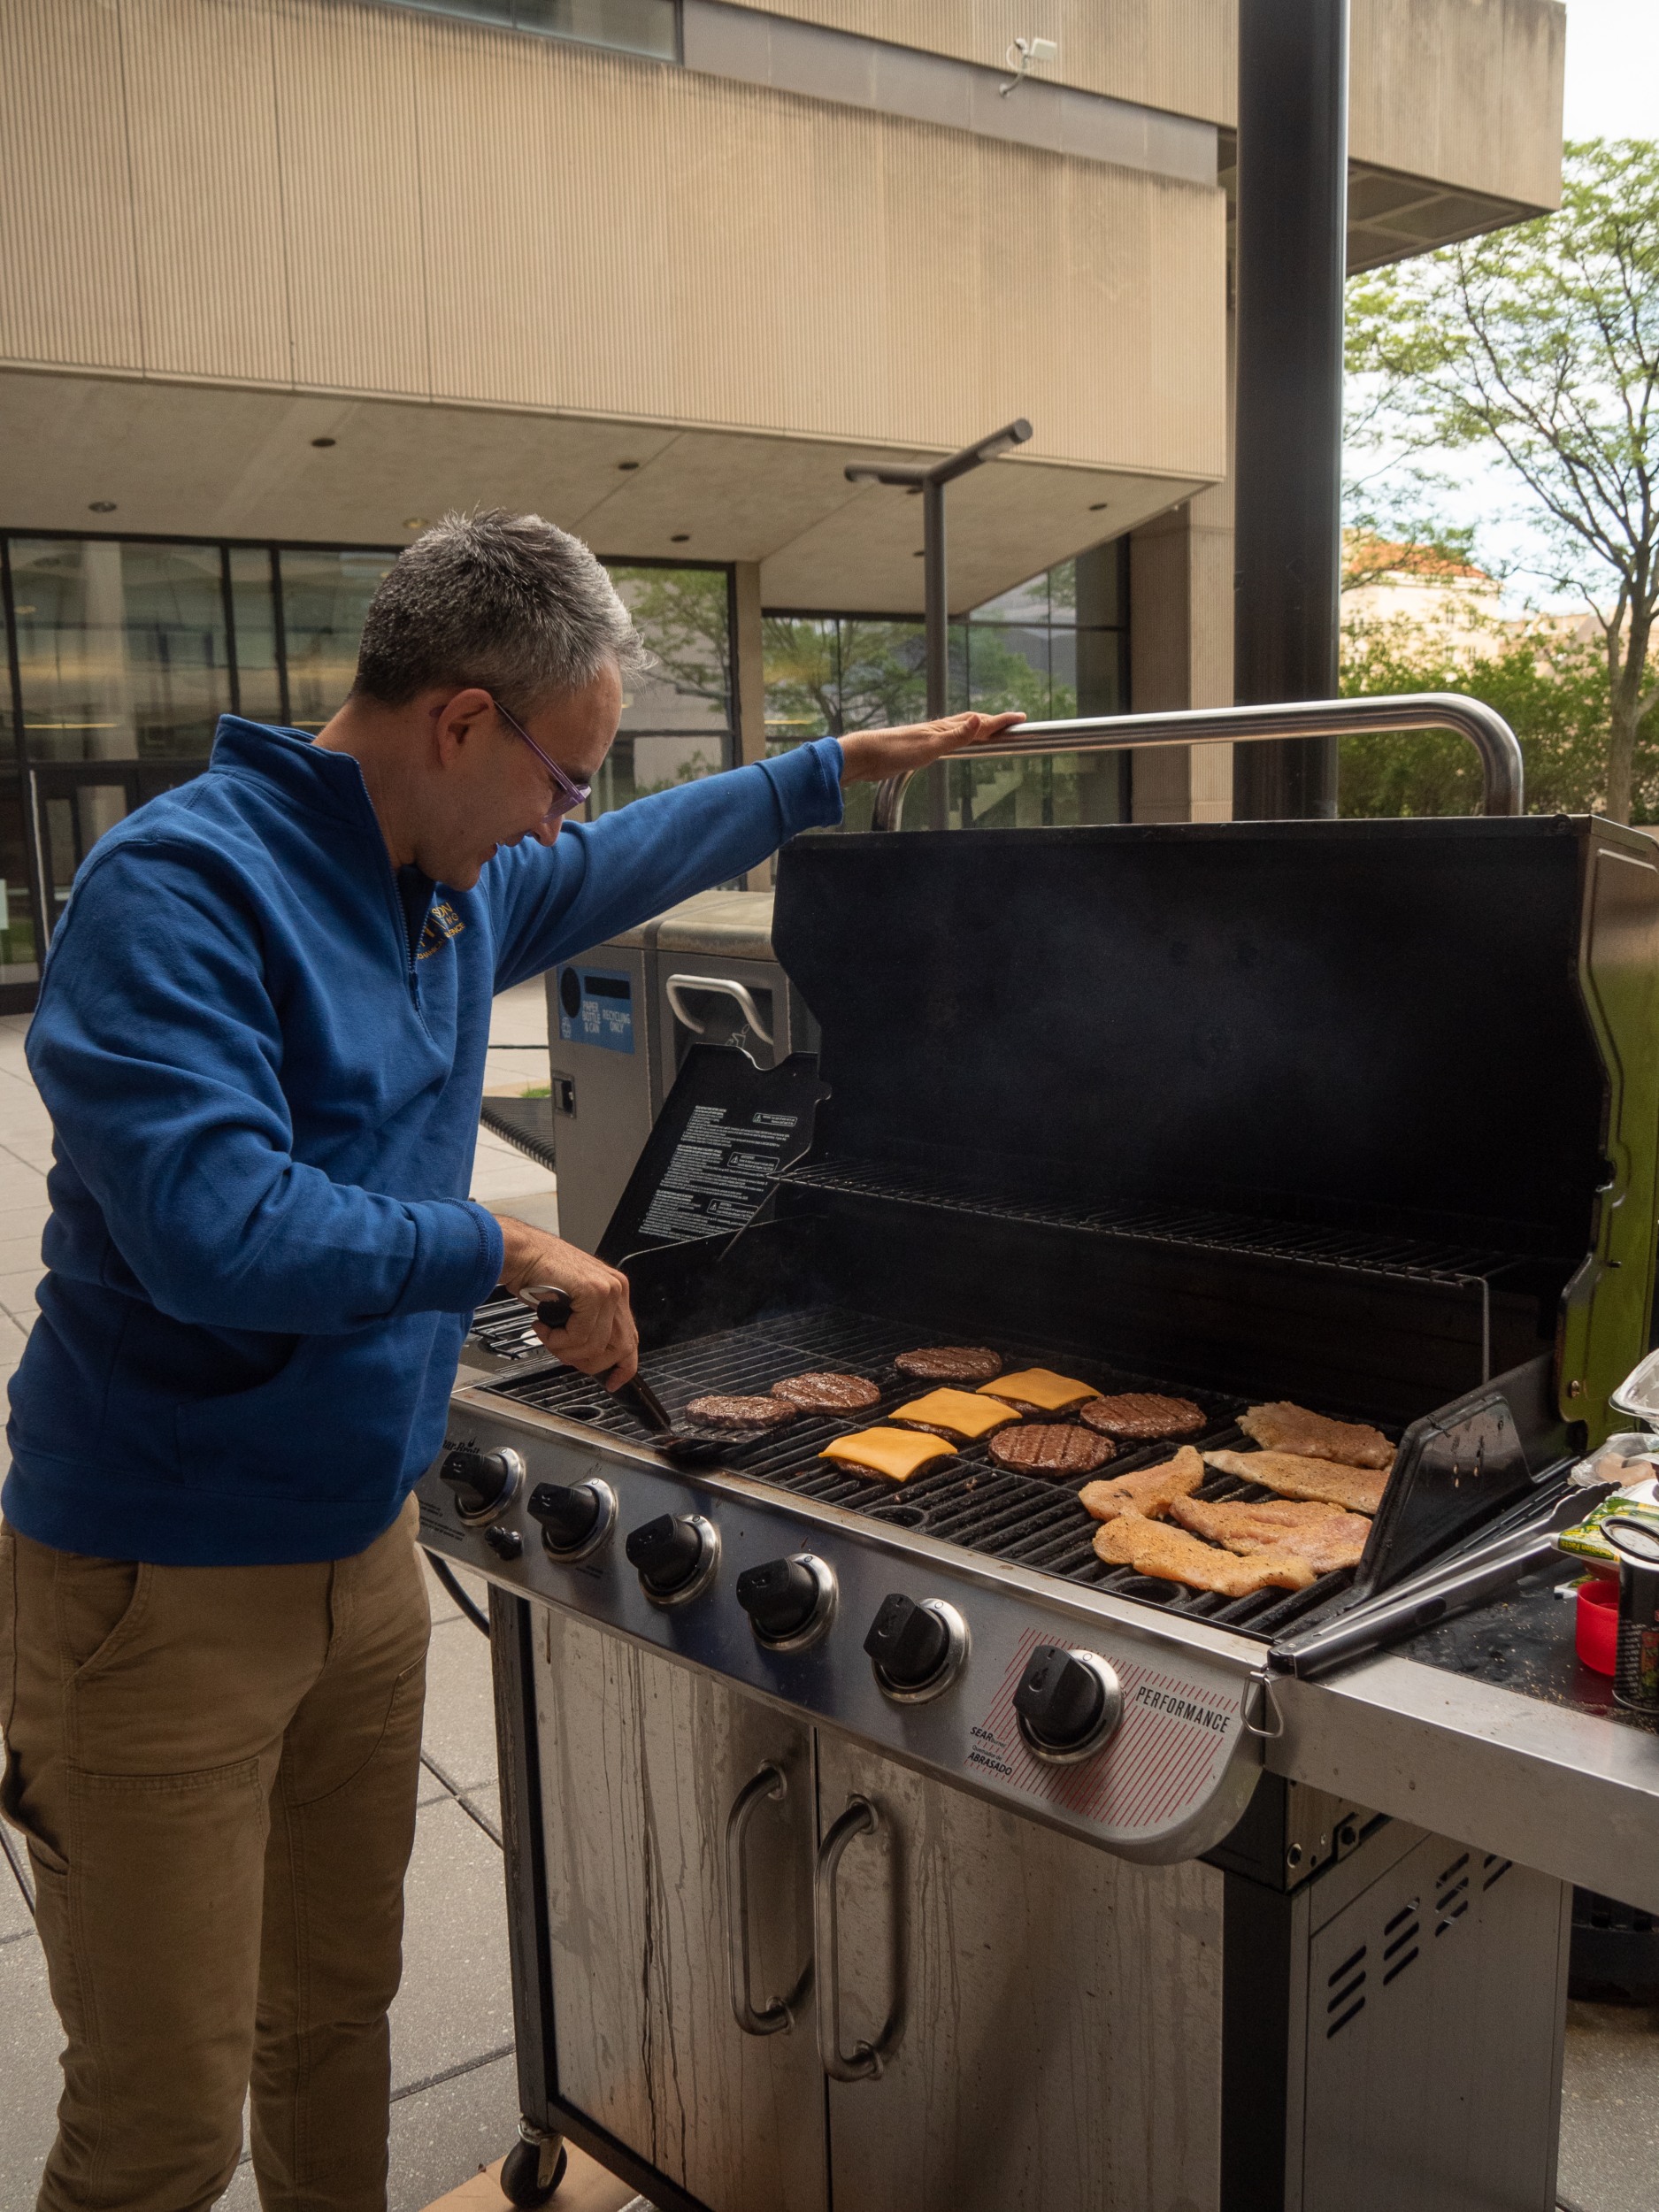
(553, 1306)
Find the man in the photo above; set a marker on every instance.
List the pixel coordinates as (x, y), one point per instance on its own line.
(261, 1035)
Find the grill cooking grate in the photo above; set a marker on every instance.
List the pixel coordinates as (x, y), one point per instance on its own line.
(1030, 1521)
(502, 1328)
(1200, 1229)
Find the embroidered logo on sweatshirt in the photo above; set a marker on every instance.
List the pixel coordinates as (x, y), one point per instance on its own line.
(442, 924)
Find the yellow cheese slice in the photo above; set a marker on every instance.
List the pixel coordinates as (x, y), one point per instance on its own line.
(895, 1453)
(1039, 1386)
(963, 1412)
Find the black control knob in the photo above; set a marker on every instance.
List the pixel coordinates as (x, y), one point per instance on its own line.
(668, 1552)
(780, 1598)
(481, 1481)
(1066, 1703)
(909, 1643)
(568, 1515)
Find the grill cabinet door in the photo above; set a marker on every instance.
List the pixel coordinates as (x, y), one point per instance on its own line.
(1435, 2009)
(641, 1763)
(1058, 2043)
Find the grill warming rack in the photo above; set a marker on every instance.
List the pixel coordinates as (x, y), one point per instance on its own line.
(1029, 1521)
(1382, 1253)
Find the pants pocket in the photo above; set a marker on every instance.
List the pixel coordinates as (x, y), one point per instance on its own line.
(42, 1849)
(101, 1605)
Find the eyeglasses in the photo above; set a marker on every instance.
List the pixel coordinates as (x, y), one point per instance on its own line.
(570, 795)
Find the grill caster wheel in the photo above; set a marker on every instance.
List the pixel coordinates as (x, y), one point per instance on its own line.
(531, 2172)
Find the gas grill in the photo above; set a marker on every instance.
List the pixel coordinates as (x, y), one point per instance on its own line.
(1362, 1114)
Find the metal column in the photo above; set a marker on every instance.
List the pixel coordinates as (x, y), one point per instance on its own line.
(1292, 238)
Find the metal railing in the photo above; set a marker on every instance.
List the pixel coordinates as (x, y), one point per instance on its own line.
(1503, 782)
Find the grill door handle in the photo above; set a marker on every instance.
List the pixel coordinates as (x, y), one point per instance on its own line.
(865, 2061)
(729, 988)
(778, 2013)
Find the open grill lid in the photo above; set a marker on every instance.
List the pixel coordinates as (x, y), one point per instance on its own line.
(1443, 1034)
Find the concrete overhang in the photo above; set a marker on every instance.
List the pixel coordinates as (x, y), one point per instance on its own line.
(1392, 217)
(201, 460)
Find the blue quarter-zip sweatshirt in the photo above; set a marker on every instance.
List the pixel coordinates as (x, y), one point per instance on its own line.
(264, 1063)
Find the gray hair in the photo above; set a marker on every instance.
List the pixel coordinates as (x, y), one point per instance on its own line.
(509, 603)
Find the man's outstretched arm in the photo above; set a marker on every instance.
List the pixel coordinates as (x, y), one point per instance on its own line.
(609, 875)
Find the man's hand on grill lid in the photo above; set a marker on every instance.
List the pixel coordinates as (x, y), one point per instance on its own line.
(873, 756)
(601, 1337)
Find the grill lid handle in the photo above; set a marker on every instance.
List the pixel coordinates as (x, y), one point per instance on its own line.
(1502, 772)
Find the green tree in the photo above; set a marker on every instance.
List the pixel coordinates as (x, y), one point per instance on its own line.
(683, 614)
(1538, 345)
(1552, 691)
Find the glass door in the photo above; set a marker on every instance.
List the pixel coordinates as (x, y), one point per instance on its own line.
(74, 801)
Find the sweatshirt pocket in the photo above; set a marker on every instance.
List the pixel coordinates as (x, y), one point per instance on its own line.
(333, 1419)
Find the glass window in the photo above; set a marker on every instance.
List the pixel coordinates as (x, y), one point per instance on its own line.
(325, 597)
(633, 26)
(802, 659)
(18, 949)
(683, 616)
(122, 648)
(677, 718)
(1054, 647)
(252, 570)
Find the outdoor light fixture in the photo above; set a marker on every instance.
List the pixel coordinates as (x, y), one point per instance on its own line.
(1022, 54)
(680, 537)
(627, 464)
(931, 483)
(100, 506)
(322, 441)
(414, 522)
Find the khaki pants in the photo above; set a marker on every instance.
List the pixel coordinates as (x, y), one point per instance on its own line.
(215, 1769)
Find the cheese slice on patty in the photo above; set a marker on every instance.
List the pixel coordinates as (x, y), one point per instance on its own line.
(895, 1453)
(1039, 1386)
(963, 1412)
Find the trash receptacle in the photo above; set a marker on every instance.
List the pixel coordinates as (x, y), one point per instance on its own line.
(621, 1017)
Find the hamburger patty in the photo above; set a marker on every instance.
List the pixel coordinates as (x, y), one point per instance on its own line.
(1050, 1447)
(1142, 1417)
(950, 1363)
(741, 1413)
(826, 1391)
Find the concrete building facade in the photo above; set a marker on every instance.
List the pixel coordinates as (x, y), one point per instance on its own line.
(283, 279)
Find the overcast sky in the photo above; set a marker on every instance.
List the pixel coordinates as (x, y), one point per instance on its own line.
(1612, 92)
(1612, 69)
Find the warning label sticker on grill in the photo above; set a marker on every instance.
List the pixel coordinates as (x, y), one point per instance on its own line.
(718, 1173)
